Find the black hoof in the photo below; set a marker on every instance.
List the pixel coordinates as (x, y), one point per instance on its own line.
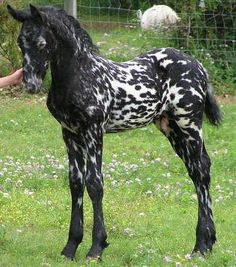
(205, 240)
(204, 247)
(68, 253)
(199, 252)
(95, 251)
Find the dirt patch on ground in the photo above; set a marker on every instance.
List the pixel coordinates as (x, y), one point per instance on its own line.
(226, 99)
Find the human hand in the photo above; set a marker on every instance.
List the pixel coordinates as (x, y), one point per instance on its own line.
(16, 77)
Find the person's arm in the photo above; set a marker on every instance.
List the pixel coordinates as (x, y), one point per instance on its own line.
(12, 79)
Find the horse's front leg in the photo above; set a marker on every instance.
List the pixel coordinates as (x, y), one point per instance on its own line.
(94, 184)
(77, 166)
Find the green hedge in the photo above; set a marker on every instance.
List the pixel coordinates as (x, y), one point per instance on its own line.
(10, 57)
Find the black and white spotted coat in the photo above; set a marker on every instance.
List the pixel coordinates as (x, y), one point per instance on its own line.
(135, 93)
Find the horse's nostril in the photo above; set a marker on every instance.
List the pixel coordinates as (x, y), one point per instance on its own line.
(37, 72)
(30, 87)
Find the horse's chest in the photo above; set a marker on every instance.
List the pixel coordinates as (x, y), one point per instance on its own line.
(64, 119)
(64, 115)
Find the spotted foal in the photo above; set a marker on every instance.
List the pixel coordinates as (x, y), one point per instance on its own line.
(91, 95)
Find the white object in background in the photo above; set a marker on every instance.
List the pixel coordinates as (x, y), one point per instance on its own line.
(157, 16)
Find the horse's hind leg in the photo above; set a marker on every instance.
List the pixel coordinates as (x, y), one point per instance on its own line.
(205, 232)
(185, 136)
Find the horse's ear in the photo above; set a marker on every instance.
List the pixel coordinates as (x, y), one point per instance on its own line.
(35, 13)
(18, 15)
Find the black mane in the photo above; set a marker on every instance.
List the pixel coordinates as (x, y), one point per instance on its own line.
(69, 27)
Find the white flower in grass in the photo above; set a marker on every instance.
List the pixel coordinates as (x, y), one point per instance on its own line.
(178, 264)
(188, 257)
(151, 251)
(201, 258)
(218, 187)
(8, 180)
(194, 196)
(114, 183)
(113, 229)
(128, 182)
(166, 194)
(107, 175)
(46, 264)
(112, 169)
(5, 194)
(28, 192)
(158, 187)
(140, 246)
(149, 193)
(128, 232)
(167, 259)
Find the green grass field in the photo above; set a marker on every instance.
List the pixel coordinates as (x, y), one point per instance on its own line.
(150, 204)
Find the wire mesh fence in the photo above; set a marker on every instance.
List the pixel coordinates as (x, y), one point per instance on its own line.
(206, 27)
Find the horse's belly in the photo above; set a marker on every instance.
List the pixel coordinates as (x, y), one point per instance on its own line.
(132, 116)
(135, 100)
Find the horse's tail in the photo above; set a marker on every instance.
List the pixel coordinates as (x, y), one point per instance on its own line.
(212, 109)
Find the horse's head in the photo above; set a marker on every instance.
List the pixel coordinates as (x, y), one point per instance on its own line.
(34, 41)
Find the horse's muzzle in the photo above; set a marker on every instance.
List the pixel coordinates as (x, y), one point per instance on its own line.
(32, 88)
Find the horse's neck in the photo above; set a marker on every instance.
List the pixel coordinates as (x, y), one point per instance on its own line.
(63, 64)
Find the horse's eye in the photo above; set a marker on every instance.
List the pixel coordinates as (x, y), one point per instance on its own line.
(41, 43)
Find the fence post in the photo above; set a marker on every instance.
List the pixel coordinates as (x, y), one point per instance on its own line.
(70, 7)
